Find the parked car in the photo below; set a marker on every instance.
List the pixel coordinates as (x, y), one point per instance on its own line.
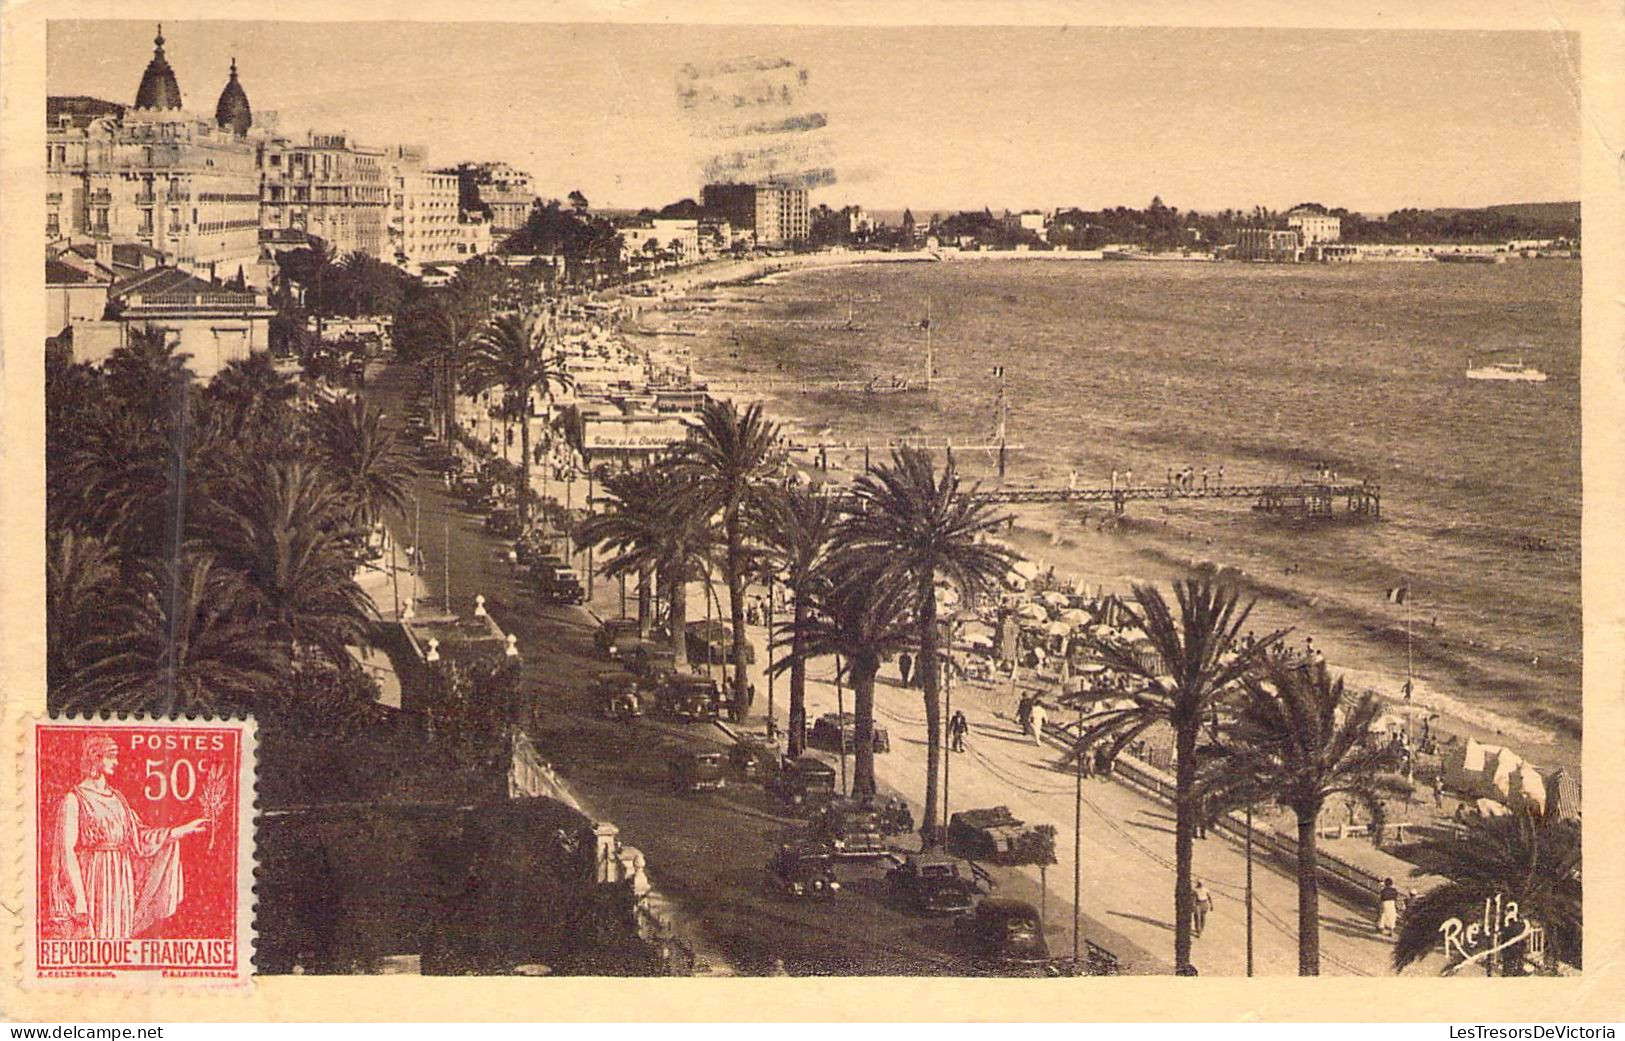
(988, 834)
(805, 779)
(503, 523)
(557, 585)
(616, 637)
(650, 661)
(839, 733)
(618, 692)
(851, 832)
(804, 872)
(710, 641)
(932, 883)
(1005, 937)
(697, 772)
(691, 699)
(754, 761)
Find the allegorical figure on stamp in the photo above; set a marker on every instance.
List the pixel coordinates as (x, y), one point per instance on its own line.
(112, 877)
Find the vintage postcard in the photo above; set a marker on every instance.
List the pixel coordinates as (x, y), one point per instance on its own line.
(579, 500)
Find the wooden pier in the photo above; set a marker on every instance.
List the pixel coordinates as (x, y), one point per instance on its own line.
(1303, 499)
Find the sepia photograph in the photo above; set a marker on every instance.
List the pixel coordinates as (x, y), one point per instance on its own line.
(718, 500)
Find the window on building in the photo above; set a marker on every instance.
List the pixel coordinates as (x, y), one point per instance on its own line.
(53, 228)
(101, 218)
(146, 222)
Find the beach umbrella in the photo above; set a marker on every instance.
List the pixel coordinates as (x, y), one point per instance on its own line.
(1075, 616)
(1060, 628)
(1053, 598)
(1033, 612)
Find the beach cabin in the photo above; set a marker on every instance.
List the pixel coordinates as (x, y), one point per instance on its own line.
(1501, 765)
(1562, 796)
(1464, 766)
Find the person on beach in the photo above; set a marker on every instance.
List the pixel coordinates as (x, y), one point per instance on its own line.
(1024, 713)
(1204, 478)
(905, 664)
(958, 726)
(1221, 477)
(1388, 908)
(1438, 791)
(1201, 904)
(1035, 716)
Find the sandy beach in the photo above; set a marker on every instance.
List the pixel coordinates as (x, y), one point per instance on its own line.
(1115, 553)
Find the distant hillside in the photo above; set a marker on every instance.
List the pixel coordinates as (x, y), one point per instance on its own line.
(1534, 212)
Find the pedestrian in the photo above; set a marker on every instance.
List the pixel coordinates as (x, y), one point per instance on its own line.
(905, 665)
(1201, 904)
(1036, 717)
(957, 727)
(1204, 478)
(1438, 791)
(1221, 477)
(513, 560)
(1024, 713)
(1200, 824)
(1388, 914)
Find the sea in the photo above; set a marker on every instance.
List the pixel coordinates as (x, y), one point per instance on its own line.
(1271, 372)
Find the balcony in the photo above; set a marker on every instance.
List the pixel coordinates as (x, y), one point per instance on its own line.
(145, 200)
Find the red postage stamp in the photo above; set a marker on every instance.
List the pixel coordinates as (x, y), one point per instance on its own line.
(143, 852)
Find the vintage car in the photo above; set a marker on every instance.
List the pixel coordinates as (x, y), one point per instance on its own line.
(804, 872)
(988, 834)
(691, 699)
(851, 832)
(711, 641)
(503, 523)
(618, 693)
(616, 636)
(839, 733)
(650, 661)
(557, 585)
(753, 760)
(697, 772)
(1005, 937)
(932, 883)
(805, 779)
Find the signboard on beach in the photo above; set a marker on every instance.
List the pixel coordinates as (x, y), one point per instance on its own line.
(633, 434)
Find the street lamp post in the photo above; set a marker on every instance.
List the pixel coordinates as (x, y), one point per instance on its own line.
(771, 725)
(840, 722)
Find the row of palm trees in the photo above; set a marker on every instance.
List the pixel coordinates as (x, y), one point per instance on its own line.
(869, 573)
(203, 541)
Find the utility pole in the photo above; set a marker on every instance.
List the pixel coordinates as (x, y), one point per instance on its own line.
(840, 719)
(771, 728)
(447, 563)
(1077, 851)
(1002, 413)
(947, 718)
(930, 361)
(1249, 890)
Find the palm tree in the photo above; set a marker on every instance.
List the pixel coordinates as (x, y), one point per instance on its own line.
(916, 529)
(1532, 861)
(798, 528)
(730, 459)
(287, 530)
(1198, 661)
(865, 625)
(1296, 739)
(650, 521)
(80, 578)
(516, 354)
(180, 643)
(250, 393)
(362, 459)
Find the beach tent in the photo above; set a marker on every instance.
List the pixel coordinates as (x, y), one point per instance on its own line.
(1464, 766)
(1491, 808)
(1499, 768)
(1528, 789)
(1387, 723)
(1022, 572)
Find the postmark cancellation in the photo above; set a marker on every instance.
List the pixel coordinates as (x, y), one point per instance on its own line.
(140, 864)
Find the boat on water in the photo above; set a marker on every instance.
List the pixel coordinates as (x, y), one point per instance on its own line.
(1507, 371)
(1470, 258)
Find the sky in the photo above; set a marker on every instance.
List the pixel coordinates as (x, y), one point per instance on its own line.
(934, 118)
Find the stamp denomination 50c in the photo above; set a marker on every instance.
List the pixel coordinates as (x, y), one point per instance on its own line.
(143, 854)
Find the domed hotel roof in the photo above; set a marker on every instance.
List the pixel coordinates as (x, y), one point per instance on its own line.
(232, 112)
(158, 87)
